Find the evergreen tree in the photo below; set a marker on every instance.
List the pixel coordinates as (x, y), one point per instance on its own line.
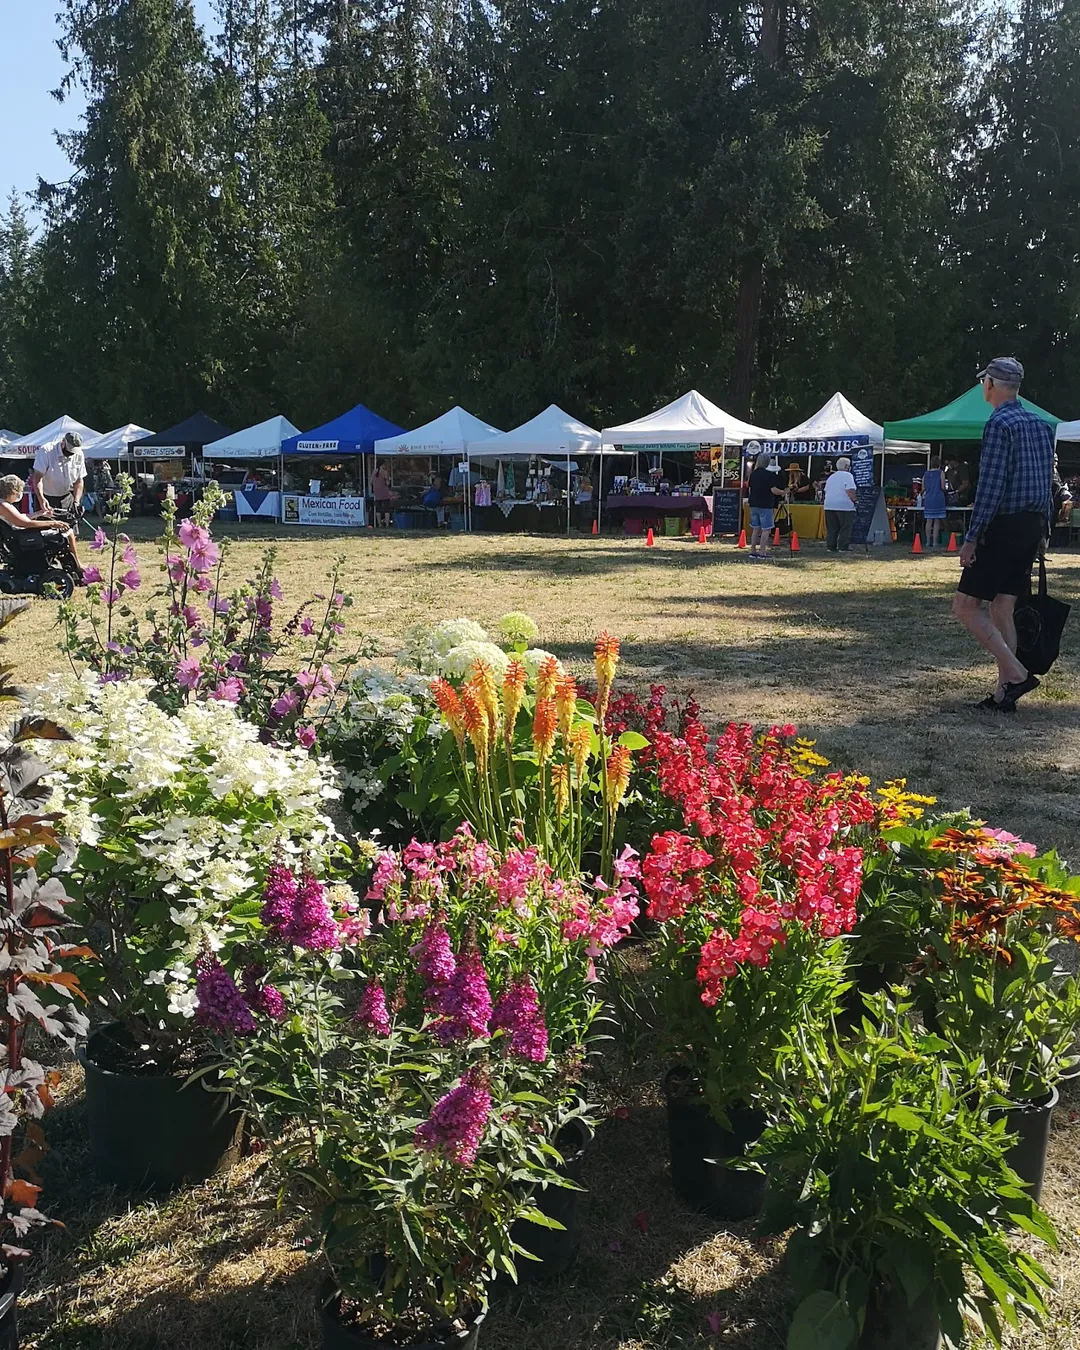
(17, 403)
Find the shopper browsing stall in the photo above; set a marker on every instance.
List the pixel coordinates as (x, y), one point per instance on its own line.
(840, 498)
(763, 490)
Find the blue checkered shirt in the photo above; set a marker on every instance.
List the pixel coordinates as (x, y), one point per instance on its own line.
(1016, 467)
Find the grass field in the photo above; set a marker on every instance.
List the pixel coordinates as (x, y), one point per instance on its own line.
(863, 655)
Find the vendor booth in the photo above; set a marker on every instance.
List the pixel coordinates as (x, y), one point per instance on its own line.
(806, 455)
(172, 461)
(26, 447)
(7, 437)
(686, 476)
(430, 462)
(1067, 445)
(103, 456)
(323, 480)
(961, 420)
(248, 465)
(531, 475)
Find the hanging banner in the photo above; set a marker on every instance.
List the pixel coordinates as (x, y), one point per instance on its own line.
(862, 466)
(831, 446)
(158, 451)
(335, 512)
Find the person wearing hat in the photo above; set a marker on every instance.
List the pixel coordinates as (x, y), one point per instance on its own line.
(1009, 525)
(59, 476)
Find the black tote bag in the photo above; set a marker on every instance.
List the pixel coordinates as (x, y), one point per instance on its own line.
(1040, 622)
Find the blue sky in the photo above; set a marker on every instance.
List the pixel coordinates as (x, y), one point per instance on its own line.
(30, 68)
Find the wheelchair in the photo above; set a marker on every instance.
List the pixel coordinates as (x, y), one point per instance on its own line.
(31, 563)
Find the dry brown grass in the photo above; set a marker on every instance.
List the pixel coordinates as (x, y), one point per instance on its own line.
(862, 654)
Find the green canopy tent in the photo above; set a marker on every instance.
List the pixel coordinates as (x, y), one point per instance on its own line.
(961, 420)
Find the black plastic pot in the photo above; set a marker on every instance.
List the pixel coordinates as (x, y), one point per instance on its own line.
(11, 1285)
(892, 1323)
(1031, 1124)
(555, 1249)
(336, 1336)
(697, 1143)
(153, 1131)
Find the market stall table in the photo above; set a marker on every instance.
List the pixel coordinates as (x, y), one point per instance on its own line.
(647, 506)
(807, 519)
(519, 517)
(257, 503)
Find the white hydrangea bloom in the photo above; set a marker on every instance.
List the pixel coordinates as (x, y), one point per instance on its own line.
(532, 659)
(459, 660)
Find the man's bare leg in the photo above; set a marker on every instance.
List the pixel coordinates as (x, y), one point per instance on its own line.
(980, 624)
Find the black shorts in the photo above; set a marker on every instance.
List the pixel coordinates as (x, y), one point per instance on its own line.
(1005, 556)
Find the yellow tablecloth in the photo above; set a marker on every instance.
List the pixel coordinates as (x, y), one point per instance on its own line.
(807, 518)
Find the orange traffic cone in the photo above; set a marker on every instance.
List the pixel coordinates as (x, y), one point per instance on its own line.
(952, 544)
(916, 547)
(776, 537)
(701, 536)
(794, 542)
(596, 527)
(649, 540)
(742, 539)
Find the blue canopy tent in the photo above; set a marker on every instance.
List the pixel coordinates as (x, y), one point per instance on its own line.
(352, 435)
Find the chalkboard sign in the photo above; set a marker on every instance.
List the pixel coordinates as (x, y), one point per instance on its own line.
(867, 501)
(726, 513)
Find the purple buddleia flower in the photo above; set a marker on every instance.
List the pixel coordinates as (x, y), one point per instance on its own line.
(221, 1005)
(456, 1125)
(518, 1013)
(373, 1012)
(465, 1003)
(263, 998)
(279, 898)
(434, 957)
(313, 926)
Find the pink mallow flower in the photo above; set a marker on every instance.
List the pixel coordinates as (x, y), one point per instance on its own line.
(91, 574)
(275, 589)
(192, 535)
(305, 736)
(188, 672)
(455, 1128)
(100, 540)
(176, 568)
(287, 703)
(131, 579)
(110, 596)
(129, 556)
(203, 557)
(229, 691)
(307, 625)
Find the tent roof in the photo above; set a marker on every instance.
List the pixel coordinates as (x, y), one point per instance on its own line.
(692, 417)
(1066, 431)
(689, 419)
(196, 430)
(27, 446)
(6, 435)
(114, 444)
(353, 433)
(258, 442)
(961, 420)
(837, 417)
(445, 435)
(548, 433)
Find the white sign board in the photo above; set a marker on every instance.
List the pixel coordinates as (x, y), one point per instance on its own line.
(338, 512)
(317, 447)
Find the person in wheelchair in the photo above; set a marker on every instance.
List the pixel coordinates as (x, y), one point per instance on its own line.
(49, 531)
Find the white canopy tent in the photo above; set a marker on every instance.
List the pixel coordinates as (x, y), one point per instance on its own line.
(26, 447)
(552, 434)
(114, 444)
(690, 420)
(839, 418)
(450, 434)
(6, 437)
(262, 441)
(1068, 431)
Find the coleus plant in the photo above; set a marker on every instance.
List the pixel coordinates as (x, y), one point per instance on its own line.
(40, 994)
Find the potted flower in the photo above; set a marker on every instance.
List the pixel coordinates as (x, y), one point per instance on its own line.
(992, 976)
(174, 819)
(41, 993)
(751, 910)
(885, 1162)
(414, 1078)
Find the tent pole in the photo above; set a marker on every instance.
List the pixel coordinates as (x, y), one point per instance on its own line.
(600, 490)
(568, 492)
(468, 491)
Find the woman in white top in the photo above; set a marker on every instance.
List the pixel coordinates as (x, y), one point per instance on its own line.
(11, 489)
(840, 497)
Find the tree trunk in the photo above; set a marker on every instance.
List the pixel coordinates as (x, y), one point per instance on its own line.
(752, 276)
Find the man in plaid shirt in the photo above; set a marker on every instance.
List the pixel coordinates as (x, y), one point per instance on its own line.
(1009, 525)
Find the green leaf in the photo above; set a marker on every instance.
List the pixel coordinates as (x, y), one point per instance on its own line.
(821, 1323)
(542, 1220)
(913, 1263)
(633, 740)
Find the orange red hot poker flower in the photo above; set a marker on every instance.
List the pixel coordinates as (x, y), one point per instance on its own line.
(448, 703)
(513, 694)
(547, 677)
(566, 703)
(580, 749)
(483, 681)
(618, 776)
(560, 786)
(545, 724)
(476, 722)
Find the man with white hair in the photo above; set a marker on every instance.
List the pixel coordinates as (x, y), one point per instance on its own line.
(1009, 524)
(840, 499)
(59, 475)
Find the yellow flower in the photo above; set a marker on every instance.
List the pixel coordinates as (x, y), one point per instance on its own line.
(804, 759)
(606, 658)
(566, 703)
(560, 783)
(476, 723)
(580, 749)
(897, 804)
(513, 692)
(547, 677)
(483, 681)
(448, 703)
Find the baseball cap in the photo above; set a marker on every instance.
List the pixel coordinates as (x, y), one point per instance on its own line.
(1007, 369)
